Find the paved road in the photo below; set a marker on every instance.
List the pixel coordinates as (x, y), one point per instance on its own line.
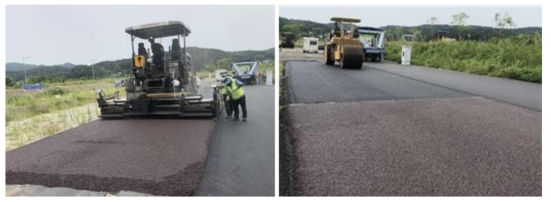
(505, 90)
(155, 156)
(241, 155)
(390, 130)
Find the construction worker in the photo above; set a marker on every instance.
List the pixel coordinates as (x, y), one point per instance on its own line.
(235, 88)
(227, 99)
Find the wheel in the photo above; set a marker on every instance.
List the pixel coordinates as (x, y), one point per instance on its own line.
(352, 57)
(327, 57)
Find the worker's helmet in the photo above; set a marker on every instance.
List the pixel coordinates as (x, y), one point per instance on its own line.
(226, 81)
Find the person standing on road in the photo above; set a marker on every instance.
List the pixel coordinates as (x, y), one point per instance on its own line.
(235, 88)
(228, 103)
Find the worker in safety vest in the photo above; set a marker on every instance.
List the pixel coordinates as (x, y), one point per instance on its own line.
(227, 100)
(235, 88)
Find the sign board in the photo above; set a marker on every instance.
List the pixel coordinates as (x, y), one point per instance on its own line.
(35, 86)
(269, 78)
(406, 55)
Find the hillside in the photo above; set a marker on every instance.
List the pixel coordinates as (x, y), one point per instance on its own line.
(15, 66)
(202, 57)
(393, 32)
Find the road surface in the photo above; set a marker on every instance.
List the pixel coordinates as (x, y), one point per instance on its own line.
(241, 155)
(402, 131)
(153, 156)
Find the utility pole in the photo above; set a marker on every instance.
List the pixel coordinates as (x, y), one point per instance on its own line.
(93, 72)
(25, 69)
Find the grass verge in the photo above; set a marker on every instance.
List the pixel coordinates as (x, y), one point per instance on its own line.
(516, 58)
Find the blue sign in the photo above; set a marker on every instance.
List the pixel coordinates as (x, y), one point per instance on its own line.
(35, 86)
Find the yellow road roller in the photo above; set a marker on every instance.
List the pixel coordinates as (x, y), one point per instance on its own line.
(344, 45)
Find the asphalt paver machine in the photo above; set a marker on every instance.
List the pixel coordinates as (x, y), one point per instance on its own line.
(161, 83)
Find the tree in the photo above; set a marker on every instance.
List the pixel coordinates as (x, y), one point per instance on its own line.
(432, 21)
(296, 29)
(460, 20)
(399, 32)
(503, 21)
(417, 36)
(10, 82)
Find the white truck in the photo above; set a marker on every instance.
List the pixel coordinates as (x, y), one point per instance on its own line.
(372, 40)
(310, 45)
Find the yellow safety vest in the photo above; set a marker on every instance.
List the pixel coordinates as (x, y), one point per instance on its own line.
(235, 92)
(223, 91)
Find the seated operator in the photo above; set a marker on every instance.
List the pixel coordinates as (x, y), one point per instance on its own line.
(158, 53)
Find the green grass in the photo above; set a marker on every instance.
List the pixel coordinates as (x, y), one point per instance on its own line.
(514, 58)
(22, 104)
(34, 114)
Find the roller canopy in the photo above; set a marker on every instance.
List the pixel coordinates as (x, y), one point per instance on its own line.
(338, 19)
(159, 29)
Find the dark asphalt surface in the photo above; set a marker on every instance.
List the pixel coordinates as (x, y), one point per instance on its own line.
(514, 92)
(156, 156)
(375, 132)
(313, 82)
(241, 155)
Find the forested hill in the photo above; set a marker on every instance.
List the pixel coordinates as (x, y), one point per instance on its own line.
(478, 33)
(202, 57)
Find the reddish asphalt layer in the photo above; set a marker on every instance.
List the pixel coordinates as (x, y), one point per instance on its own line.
(447, 146)
(156, 156)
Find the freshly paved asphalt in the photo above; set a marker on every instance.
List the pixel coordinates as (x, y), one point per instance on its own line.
(313, 82)
(241, 155)
(390, 130)
(155, 156)
(514, 92)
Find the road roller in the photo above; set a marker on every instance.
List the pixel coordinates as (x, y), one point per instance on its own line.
(344, 45)
(161, 82)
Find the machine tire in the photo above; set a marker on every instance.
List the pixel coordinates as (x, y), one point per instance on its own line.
(352, 57)
(327, 57)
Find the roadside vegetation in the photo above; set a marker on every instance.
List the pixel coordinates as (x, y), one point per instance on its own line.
(34, 114)
(517, 57)
(502, 51)
(22, 104)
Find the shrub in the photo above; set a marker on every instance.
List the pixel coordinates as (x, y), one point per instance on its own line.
(515, 58)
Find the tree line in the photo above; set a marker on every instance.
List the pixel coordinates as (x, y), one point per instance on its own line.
(432, 29)
(202, 58)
